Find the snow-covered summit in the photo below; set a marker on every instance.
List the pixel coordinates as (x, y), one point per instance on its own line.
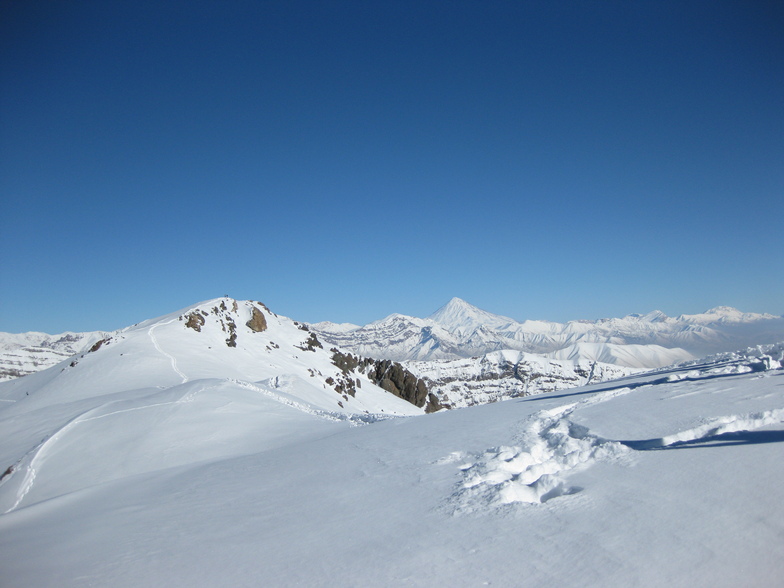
(458, 316)
(222, 339)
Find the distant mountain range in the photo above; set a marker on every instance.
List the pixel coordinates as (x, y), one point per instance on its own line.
(25, 353)
(459, 356)
(460, 330)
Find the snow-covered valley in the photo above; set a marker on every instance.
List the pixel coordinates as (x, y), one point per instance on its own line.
(226, 445)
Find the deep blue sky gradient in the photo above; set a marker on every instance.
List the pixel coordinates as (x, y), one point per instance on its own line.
(343, 160)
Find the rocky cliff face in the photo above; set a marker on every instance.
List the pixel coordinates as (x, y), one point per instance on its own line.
(390, 376)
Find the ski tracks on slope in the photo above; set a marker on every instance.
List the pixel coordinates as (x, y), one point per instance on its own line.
(355, 419)
(151, 334)
(31, 462)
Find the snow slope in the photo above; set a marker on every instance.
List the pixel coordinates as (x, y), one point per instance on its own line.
(163, 393)
(629, 355)
(668, 479)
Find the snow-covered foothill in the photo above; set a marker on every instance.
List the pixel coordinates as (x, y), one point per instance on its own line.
(205, 382)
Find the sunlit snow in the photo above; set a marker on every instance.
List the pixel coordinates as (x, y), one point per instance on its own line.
(168, 458)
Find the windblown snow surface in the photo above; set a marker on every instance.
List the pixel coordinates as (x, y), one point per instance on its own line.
(674, 478)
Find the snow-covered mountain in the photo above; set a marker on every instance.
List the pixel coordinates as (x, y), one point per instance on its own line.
(139, 466)
(25, 353)
(460, 330)
(501, 375)
(243, 342)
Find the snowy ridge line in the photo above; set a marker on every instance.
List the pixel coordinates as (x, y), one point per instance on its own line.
(173, 360)
(353, 419)
(714, 428)
(550, 447)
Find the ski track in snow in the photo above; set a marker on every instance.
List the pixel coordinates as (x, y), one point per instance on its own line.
(34, 458)
(173, 360)
(32, 461)
(353, 419)
(551, 447)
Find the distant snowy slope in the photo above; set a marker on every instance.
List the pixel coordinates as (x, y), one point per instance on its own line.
(667, 479)
(501, 375)
(25, 353)
(630, 355)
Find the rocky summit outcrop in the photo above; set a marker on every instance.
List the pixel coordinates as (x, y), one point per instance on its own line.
(257, 322)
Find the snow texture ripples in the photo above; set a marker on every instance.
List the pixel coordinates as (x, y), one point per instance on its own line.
(533, 472)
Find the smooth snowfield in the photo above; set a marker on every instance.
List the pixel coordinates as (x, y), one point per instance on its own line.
(669, 479)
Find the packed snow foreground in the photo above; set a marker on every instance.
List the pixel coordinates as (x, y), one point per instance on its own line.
(224, 445)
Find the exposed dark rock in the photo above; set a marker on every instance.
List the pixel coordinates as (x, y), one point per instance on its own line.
(97, 345)
(310, 344)
(432, 403)
(343, 385)
(195, 321)
(389, 375)
(394, 378)
(232, 328)
(344, 361)
(257, 322)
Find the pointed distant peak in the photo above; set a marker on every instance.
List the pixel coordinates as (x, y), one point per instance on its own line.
(455, 306)
(655, 316)
(459, 315)
(457, 303)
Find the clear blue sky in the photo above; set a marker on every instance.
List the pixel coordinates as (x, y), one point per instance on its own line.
(346, 160)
